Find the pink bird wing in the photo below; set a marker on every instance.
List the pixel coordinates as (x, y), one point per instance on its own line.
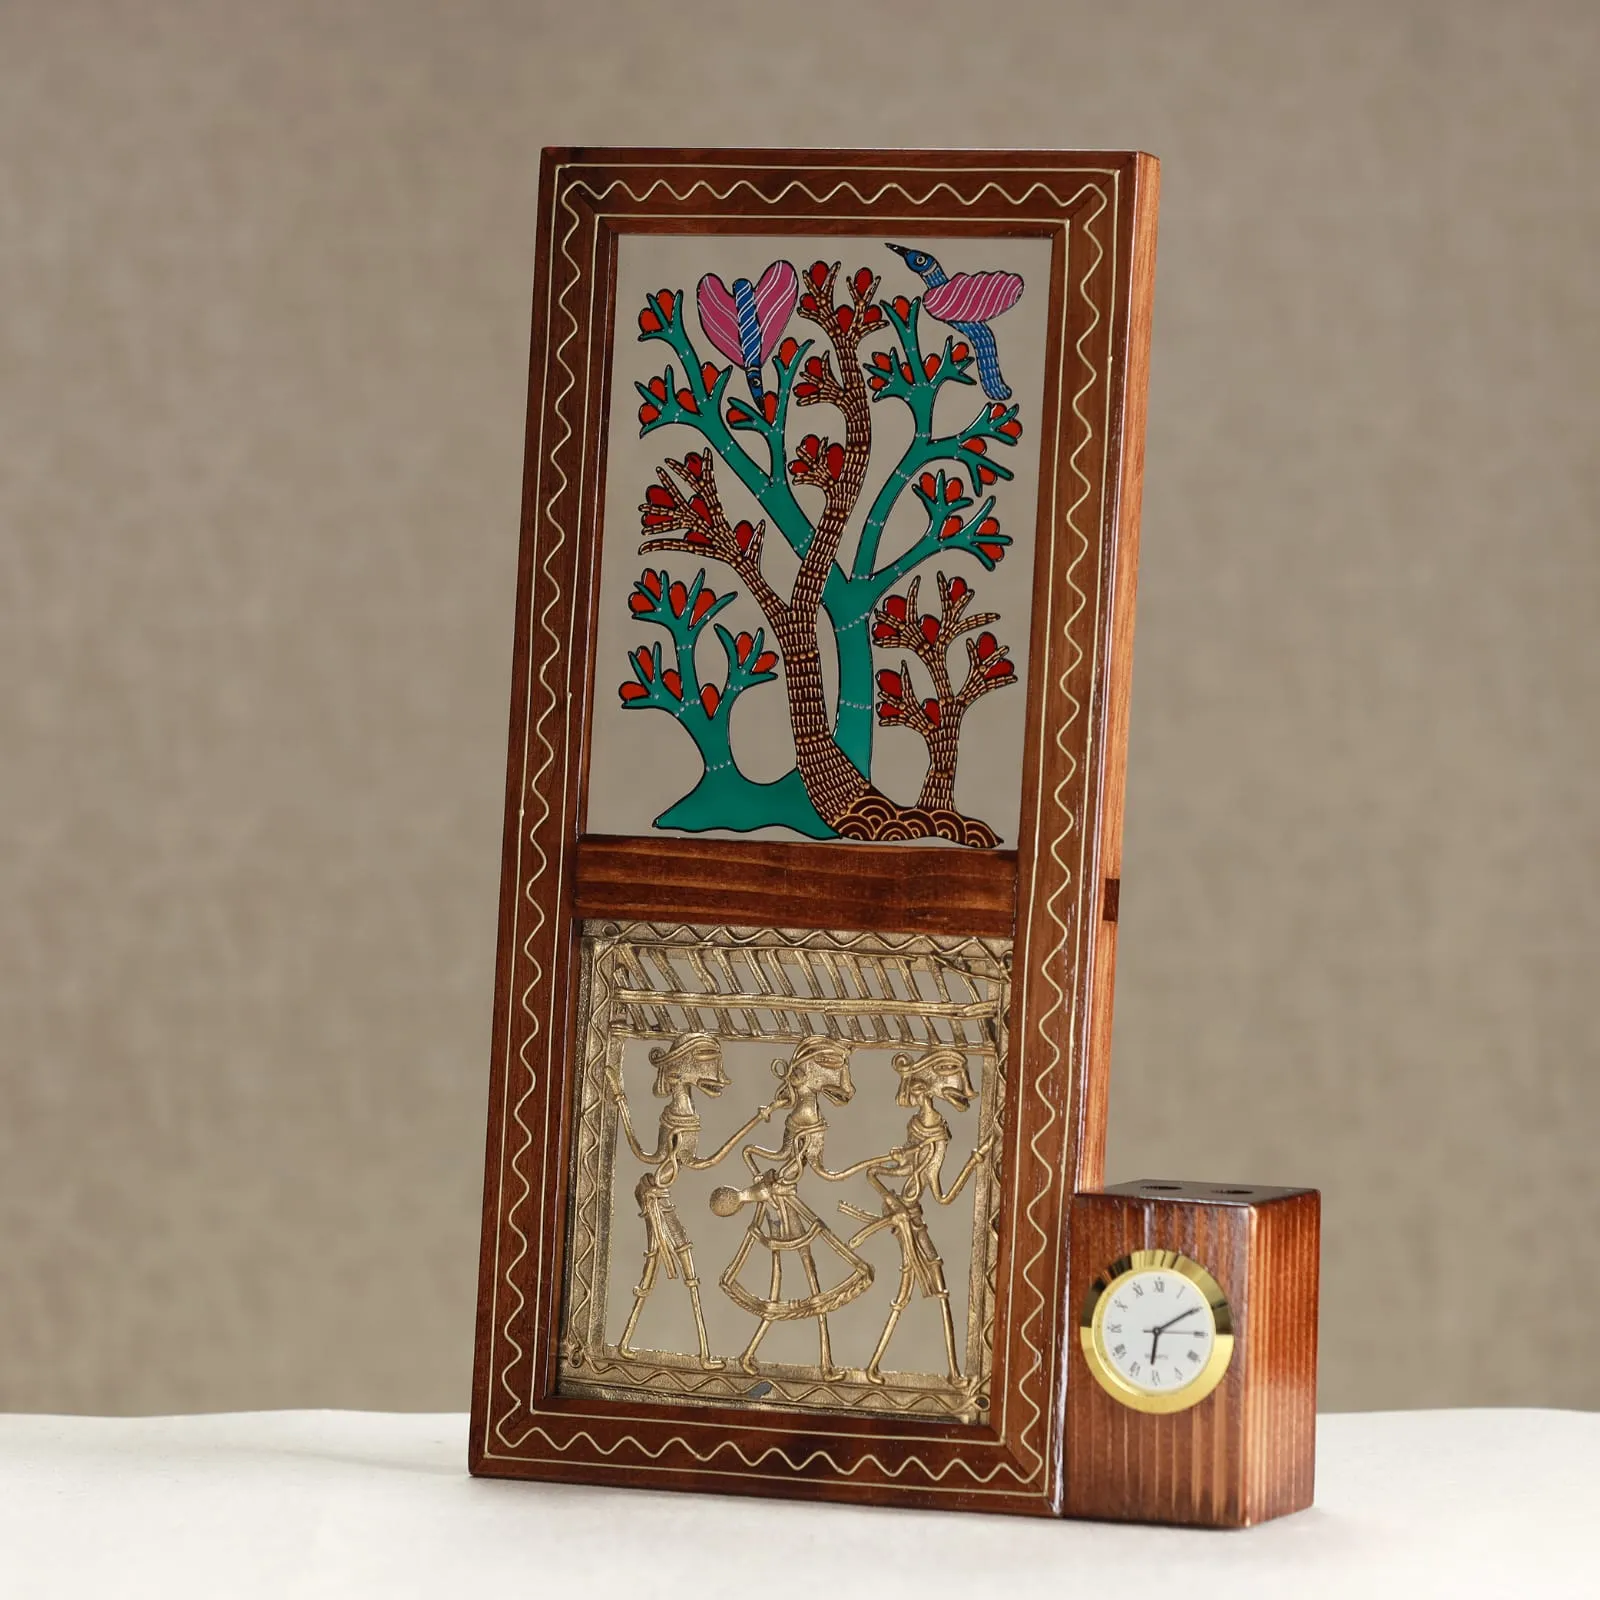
(973, 296)
(776, 291)
(719, 317)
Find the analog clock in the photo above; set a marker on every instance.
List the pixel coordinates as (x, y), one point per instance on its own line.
(1157, 1331)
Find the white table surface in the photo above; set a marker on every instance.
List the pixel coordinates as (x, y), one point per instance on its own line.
(295, 1504)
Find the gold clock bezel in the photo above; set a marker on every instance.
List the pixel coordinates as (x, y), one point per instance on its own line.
(1092, 1338)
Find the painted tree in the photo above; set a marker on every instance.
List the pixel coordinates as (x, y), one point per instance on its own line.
(842, 583)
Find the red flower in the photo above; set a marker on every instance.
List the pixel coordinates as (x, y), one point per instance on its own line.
(641, 659)
(882, 362)
(769, 406)
(658, 387)
(640, 603)
(687, 401)
(787, 351)
(976, 446)
(846, 317)
(877, 383)
(764, 662)
(872, 316)
(995, 552)
(987, 646)
(999, 672)
(742, 647)
(694, 464)
(652, 583)
(886, 710)
(890, 684)
(927, 485)
(835, 461)
(709, 698)
(818, 273)
(959, 590)
(804, 391)
(702, 604)
(709, 375)
(882, 632)
(988, 525)
(952, 489)
(672, 683)
(902, 307)
(648, 413)
(930, 365)
(666, 302)
(987, 475)
(952, 526)
(810, 446)
(743, 534)
(959, 352)
(659, 496)
(649, 322)
(930, 709)
(930, 629)
(895, 605)
(996, 412)
(633, 691)
(1013, 428)
(863, 281)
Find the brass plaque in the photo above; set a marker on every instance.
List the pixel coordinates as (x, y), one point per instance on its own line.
(785, 1173)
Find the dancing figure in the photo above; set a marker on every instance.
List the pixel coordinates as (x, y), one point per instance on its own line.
(909, 1171)
(689, 1063)
(781, 1222)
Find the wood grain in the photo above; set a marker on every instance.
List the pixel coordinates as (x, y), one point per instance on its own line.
(775, 885)
(1246, 1452)
(1089, 1166)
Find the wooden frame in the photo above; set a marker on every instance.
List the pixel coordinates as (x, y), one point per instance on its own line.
(1054, 894)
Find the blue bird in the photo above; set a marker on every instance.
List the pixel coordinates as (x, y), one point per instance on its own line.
(968, 303)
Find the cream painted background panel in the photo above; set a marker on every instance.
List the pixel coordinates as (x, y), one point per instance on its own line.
(264, 286)
(642, 761)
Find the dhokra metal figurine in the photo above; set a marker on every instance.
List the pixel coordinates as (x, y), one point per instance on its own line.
(692, 1062)
(915, 1166)
(784, 1224)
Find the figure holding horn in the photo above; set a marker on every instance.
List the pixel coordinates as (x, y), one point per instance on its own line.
(691, 1062)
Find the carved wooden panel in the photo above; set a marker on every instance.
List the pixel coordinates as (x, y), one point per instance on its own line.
(823, 637)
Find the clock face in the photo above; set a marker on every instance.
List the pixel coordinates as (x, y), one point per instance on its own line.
(1156, 1330)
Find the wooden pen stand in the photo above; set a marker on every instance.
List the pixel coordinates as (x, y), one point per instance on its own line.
(1139, 1446)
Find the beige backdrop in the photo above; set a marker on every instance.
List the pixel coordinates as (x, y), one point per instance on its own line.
(264, 282)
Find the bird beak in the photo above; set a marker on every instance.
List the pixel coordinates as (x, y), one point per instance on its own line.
(899, 249)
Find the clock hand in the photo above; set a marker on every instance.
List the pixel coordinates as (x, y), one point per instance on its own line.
(1156, 1332)
(1169, 1322)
